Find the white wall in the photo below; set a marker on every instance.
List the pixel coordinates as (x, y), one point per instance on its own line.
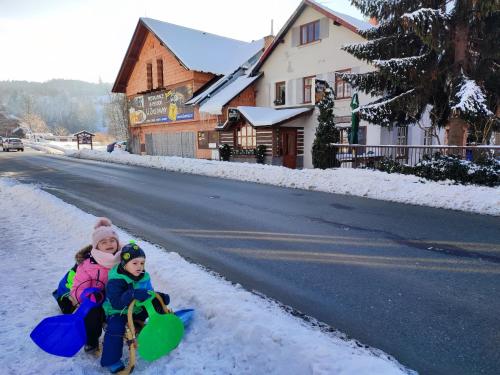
(321, 59)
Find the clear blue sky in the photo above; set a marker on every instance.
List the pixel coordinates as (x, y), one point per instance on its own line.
(87, 39)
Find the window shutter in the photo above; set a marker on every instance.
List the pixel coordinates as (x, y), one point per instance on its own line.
(324, 28)
(362, 135)
(330, 78)
(299, 91)
(289, 92)
(295, 36)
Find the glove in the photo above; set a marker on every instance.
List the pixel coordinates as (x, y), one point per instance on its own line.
(165, 297)
(96, 296)
(141, 294)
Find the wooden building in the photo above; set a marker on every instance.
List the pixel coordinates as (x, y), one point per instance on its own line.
(167, 65)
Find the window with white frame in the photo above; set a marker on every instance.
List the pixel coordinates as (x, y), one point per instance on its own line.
(427, 136)
(402, 135)
(246, 136)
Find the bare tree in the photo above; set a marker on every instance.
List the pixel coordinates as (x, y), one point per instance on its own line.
(35, 123)
(116, 116)
(60, 130)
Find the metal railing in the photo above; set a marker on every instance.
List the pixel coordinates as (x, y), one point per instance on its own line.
(360, 156)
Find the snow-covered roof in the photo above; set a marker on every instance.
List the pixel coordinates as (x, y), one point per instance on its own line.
(215, 103)
(202, 51)
(358, 24)
(205, 93)
(265, 116)
(194, 49)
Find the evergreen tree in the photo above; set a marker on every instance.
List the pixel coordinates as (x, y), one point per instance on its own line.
(326, 133)
(441, 53)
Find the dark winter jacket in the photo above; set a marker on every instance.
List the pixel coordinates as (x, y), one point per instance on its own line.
(66, 283)
(120, 290)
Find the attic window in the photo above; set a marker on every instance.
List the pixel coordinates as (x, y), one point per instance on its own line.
(149, 72)
(159, 72)
(309, 32)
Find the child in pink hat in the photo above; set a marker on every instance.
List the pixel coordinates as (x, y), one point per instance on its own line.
(93, 263)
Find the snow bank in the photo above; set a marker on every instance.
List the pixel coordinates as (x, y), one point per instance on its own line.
(233, 332)
(358, 182)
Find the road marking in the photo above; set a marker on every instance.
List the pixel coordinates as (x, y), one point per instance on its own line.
(365, 260)
(311, 238)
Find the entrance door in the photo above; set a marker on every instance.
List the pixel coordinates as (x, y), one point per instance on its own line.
(289, 147)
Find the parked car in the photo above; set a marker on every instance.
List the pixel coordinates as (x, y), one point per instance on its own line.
(12, 144)
(121, 145)
(118, 145)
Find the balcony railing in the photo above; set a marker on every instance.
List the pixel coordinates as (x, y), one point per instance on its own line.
(359, 156)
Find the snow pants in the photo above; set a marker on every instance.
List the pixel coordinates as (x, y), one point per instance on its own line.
(112, 349)
(93, 325)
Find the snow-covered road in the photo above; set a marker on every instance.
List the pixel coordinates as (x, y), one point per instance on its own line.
(358, 182)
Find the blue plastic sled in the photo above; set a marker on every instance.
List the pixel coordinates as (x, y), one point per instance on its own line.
(64, 335)
(185, 315)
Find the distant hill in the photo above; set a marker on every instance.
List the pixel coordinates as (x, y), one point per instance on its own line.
(71, 104)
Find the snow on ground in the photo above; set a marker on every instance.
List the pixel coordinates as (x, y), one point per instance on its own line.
(233, 332)
(359, 182)
(55, 147)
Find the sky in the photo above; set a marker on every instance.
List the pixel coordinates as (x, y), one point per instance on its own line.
(87, 39)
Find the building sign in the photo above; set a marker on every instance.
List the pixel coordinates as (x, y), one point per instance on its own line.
(84, 138)
(208, 139)
(161, 106)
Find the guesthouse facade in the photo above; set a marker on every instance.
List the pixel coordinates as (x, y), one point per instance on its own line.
(164, 67)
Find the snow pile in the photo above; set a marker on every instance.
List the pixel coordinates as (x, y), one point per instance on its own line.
(60, 148)
(233, 332)
(358, 182)
(47, 148)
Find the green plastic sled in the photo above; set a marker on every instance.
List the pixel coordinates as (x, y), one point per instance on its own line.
(161, 334)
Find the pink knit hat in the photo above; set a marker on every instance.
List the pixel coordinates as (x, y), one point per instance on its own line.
(102, 230)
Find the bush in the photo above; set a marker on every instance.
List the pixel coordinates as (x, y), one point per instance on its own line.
(260, 154)
(485, 171)
(323, 154)
(225, 152)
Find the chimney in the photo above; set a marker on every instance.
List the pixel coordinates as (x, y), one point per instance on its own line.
(268, 40)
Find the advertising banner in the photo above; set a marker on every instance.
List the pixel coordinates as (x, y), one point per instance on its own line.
(161, 106)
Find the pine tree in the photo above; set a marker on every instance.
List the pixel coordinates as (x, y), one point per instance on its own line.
(326, 133)
(441, 53)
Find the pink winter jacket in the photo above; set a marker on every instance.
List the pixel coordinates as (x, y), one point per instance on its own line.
(89, 274)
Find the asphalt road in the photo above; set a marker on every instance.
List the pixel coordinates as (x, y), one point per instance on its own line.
(420, 283)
